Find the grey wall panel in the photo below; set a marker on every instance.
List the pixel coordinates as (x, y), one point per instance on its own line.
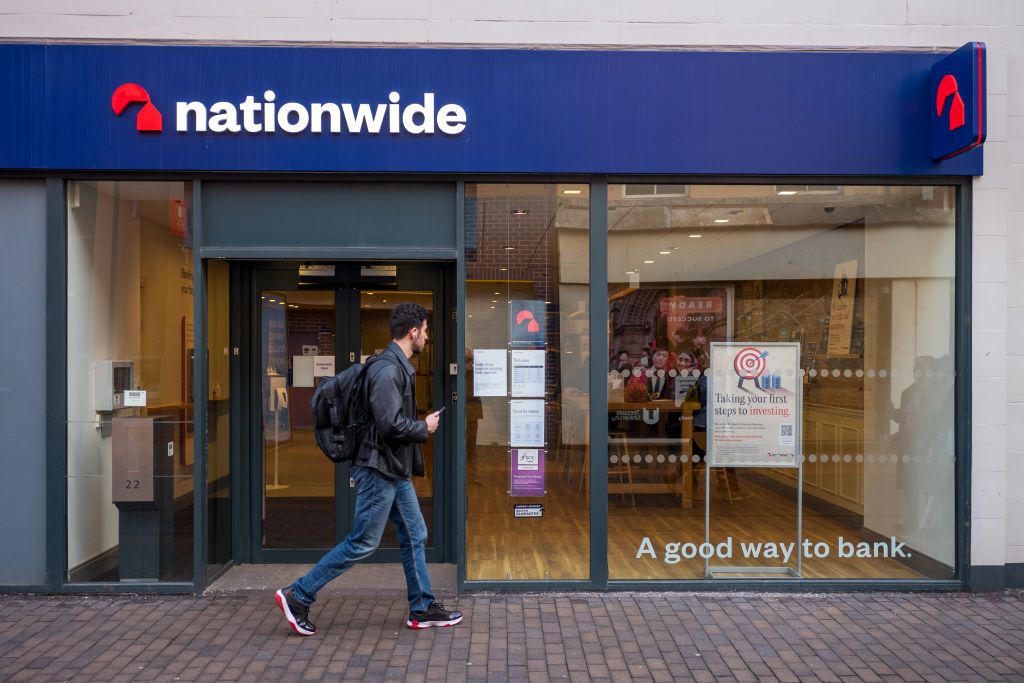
(320, 214)
(22, 382)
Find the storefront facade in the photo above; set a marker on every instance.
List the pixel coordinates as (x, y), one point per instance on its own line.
(226, 225)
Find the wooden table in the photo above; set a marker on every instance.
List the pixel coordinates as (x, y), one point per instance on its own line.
(627, 443)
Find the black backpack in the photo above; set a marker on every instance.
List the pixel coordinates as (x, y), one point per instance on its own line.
(340, 413)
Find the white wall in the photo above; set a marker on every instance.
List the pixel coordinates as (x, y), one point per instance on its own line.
(998, 245)
(915, 501)
(103, 323)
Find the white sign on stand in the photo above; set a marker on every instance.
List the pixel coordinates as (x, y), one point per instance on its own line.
(490, 372)
(754, 404)
(754, 419)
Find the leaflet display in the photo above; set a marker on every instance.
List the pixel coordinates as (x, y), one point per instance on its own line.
(490, 372)
(527, 423)
(527, 373)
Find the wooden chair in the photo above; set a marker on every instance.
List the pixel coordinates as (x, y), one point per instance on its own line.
(623, 469)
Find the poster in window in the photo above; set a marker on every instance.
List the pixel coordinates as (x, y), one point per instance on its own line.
(526, 323)
(844, 294)
(657, 333)
(754, 413)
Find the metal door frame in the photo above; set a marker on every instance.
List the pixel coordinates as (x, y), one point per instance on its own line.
(255, 276)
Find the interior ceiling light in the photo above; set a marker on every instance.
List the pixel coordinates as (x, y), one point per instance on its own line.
(497, 293)
(273, 301)
(510, 248)
(383, 301)
(721, 220)
(519, 212)
(571, 191)
(664, 252)
(786, 192)
(502, 269)
(695, 236)
(648, 261)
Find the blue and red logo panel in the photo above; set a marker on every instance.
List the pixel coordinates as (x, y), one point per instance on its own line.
(368, 110)
(958, 92)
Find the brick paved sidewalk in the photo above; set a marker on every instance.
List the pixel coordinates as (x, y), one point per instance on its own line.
(642, 636)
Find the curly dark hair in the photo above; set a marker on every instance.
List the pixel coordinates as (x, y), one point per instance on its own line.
(404, 317)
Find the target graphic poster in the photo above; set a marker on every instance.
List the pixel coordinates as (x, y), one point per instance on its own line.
(755, 410)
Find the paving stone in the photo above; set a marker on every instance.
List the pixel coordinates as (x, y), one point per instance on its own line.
(645, 636)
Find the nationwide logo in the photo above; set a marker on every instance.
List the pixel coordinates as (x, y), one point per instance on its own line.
(419, 117)
(948, 91)
(958, 113)
(149, 119)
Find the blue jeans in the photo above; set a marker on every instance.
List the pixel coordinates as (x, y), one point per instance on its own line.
(378, 499)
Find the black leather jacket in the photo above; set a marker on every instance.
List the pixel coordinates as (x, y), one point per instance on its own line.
(392, 444)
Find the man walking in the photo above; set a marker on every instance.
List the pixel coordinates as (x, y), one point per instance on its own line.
(389, 455)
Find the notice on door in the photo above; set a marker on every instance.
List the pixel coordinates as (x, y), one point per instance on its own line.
(754, 404)
(528, 374)
(490, 372)
(323, 366)
(527, 424)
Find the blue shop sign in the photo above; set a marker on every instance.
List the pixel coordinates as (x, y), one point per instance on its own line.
(206, 108)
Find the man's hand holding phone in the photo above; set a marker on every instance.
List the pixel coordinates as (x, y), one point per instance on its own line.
(433, 419)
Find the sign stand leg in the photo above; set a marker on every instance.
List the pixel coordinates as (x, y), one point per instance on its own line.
(799, 514)
(277, 447)
(707, 512)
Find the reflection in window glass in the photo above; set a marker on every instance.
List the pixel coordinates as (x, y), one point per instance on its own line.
(863, 278)
(527, 360)
(130, 454)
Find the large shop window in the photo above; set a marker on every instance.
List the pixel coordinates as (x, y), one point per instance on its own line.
(527, 359)
(858, 284)
(130, 450)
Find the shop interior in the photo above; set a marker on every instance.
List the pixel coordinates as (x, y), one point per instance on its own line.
(825, 266)
(862, 277)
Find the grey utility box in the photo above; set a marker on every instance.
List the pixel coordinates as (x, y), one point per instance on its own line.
(133, 452)
(142, 450)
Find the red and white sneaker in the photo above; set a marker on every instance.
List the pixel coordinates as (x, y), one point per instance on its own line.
(295, 612)
(435, 615)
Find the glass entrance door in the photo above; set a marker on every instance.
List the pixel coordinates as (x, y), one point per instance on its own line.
(306, 328)
(298, 346)
(374, 335)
